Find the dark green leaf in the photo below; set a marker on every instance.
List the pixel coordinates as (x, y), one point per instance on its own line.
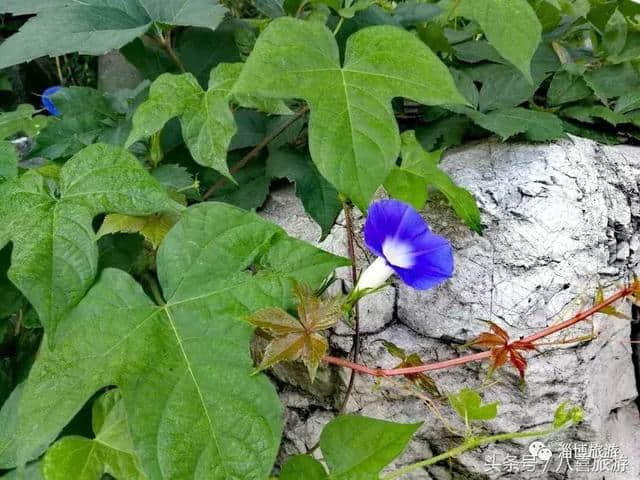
(536, 126)
(413, 12)
(565, 88)
(97, 27)
(148, 58)
(588, 114)
(319, 198)
(10, 297)
(87, 116)
(251, 187)
(270, 8)
(475, 51)
(612, 81)
(444, 133)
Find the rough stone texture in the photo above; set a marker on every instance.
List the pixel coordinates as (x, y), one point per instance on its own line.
(560, 220)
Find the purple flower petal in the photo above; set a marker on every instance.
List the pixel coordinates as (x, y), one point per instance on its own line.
(47, 102)
(396, 231)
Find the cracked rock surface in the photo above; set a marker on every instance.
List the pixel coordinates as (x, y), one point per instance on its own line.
(560, 220)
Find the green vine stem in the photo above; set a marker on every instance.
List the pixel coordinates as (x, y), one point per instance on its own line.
(475, 357)
(469, 444)
(348, 216)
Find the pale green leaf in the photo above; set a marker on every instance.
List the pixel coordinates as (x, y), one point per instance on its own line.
(353, 135)
(8, 161)
(319, 198)
(468, 405)
(152, 227)
(207, 122)
(183, 367)
(615, 33)
(94, 27)
(54, 259)
(511, 26)
(408, 187)
(358, 448)
(423, 164)
(110, 452)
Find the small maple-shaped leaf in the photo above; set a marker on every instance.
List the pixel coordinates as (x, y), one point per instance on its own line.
(497, 340)
(298, 338)
(610, 309)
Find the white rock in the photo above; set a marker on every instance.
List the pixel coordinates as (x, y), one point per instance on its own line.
(560, 220)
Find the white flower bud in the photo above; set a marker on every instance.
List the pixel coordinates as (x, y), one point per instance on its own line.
(375, 275)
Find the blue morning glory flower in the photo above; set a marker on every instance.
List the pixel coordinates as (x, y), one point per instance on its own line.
(405, 245)
(47, 103)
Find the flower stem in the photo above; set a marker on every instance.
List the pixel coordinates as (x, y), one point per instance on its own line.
(469, 444)
(475, 357)
(348, 215)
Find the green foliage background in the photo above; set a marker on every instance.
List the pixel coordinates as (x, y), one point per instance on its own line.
(128, 261)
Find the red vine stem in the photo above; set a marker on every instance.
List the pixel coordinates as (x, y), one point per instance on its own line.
(475, 357)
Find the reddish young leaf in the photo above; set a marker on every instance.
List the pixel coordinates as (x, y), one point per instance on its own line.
(497, 340)
(298, 338)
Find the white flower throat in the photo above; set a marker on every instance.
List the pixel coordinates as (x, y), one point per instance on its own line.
(398, 253)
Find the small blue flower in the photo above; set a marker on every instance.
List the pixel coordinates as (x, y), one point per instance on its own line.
(47, 103)
(405, 245)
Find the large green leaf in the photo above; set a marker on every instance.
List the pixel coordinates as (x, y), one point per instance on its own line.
(353, 135)
(511, 26)
(318, 196)
(55, 257)
(94, 27)
(111, 451)
(183, 366)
